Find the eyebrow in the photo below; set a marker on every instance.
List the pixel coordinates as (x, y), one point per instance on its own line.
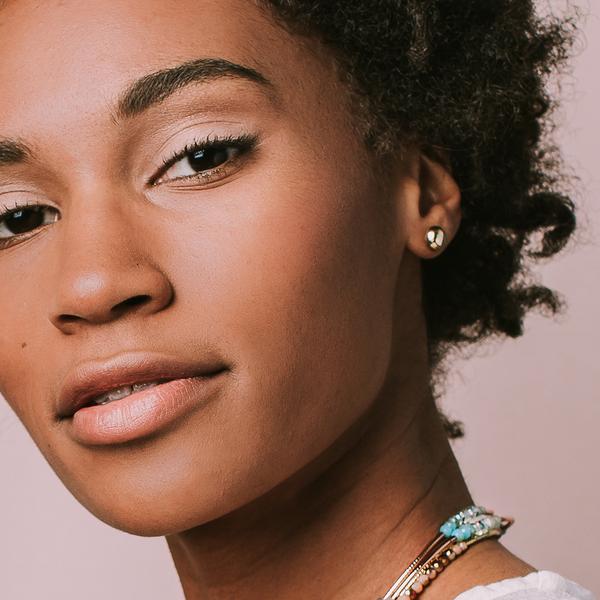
(156, 87)
(13, 152)
(153, 89)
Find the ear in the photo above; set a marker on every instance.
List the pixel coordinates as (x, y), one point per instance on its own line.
(435, 201)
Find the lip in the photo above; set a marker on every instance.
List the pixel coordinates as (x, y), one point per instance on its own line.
(143, 412)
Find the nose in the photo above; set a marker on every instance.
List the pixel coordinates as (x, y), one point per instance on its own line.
(105, 273)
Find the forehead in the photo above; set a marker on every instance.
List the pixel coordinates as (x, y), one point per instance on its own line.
(79, 33)
(77, 56)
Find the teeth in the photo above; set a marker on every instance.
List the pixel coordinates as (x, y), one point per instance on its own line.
(122, 392)
(115, 394)
(143, 386)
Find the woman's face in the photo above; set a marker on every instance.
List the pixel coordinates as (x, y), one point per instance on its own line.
(268, 258)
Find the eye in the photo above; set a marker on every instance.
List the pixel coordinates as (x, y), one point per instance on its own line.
(204, 161)
(199, 161)
(21, 220)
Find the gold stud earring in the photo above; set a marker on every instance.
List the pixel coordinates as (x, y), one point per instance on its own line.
(435, 237)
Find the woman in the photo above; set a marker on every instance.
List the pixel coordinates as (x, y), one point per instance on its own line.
(241, 238)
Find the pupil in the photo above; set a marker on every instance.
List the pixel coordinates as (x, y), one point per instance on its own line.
(202, 160)
(24, 220)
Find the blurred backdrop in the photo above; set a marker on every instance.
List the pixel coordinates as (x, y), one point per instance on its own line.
(531, 408)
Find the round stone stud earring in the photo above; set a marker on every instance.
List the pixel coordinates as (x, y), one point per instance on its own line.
(435, 237)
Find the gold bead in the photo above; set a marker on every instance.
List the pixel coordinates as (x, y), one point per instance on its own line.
(435, 237)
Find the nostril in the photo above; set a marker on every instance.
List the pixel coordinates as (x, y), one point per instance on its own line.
(95, 296)
(132, 302)
(68, 318)
(117, 310)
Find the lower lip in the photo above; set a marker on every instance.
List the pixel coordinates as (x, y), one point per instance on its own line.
(142, 413)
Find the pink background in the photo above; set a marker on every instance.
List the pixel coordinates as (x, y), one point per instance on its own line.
(531, 407)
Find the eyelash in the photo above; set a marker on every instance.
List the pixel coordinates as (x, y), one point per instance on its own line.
(242, 143)
(6, 212)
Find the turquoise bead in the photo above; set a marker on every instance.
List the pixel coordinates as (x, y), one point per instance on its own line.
(448, 529)
(464, 532)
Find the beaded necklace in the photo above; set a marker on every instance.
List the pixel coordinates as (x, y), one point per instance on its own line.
(456, 535)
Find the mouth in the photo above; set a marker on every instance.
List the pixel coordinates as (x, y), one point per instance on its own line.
(119, 393)
(131, 396)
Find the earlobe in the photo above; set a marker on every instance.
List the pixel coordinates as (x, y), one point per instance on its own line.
(434, 218)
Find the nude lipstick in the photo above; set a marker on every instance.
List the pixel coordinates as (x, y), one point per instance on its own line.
(132, 396)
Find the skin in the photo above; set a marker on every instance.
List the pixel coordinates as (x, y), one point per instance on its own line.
(298, 267)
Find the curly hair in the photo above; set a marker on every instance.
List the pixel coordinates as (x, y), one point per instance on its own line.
(466, 80)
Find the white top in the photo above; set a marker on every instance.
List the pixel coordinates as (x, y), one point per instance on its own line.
(540, 585)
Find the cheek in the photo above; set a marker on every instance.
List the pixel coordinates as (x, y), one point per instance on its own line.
(300, 291)
(23, 342)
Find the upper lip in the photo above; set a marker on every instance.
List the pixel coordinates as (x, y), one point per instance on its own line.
(92, 379)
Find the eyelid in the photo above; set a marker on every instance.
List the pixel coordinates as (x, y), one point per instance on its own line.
(244, 142)
(16, 239)
(8, 207)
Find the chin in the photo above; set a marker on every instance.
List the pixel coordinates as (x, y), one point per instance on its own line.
(160, 494)
(148, 514)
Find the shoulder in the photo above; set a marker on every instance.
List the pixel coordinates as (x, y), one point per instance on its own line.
(540, 585)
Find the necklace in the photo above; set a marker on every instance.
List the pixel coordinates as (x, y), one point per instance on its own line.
(467, 527)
